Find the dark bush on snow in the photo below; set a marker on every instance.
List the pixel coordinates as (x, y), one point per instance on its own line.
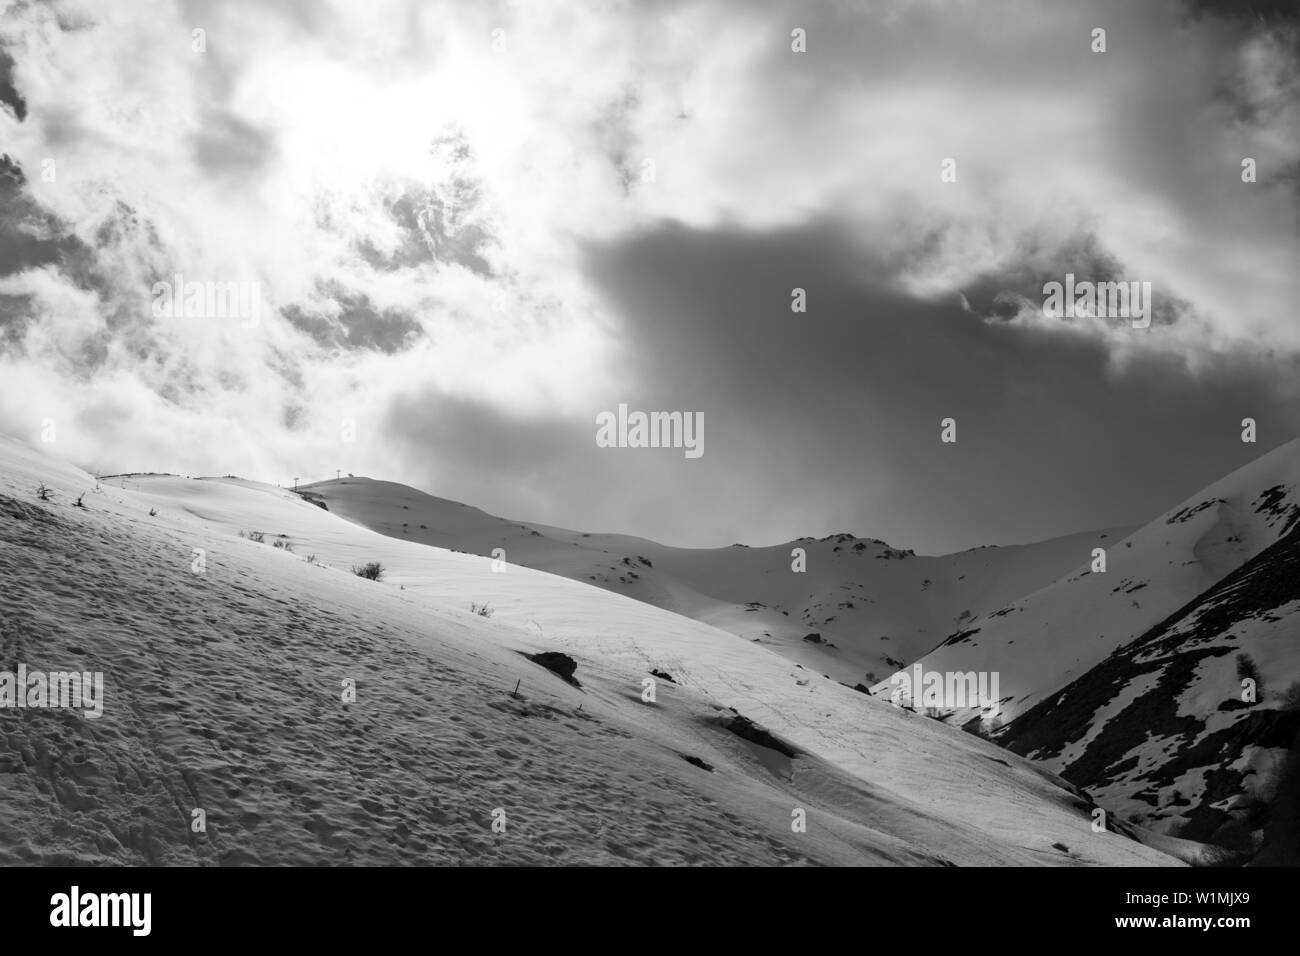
(557, 663)
(755, 734)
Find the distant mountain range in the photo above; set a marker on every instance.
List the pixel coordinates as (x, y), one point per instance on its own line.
(858, 611)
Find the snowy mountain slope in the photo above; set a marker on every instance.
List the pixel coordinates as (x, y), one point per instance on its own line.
(223, 693)
(1040, 643)
(860, 610)
(1165, 732)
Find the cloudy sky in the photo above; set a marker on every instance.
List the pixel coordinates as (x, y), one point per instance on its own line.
(474, 227)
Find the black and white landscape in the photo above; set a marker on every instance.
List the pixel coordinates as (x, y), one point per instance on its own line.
(676, 433)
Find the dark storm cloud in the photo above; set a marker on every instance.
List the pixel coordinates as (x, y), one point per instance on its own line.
(12, 178)
(15, 316)
(429, 232)
(9, 94)
(837, 412)
(545, 470)
(1019, 286)
(830, 420)
(29, 236)
(350, 320)
(33, 238)
(481, 438)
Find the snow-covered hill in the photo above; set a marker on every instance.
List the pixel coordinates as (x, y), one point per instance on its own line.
(226, 661)
(1128, 681)
(1194, 728)
(1040, 643)
(858, 611)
